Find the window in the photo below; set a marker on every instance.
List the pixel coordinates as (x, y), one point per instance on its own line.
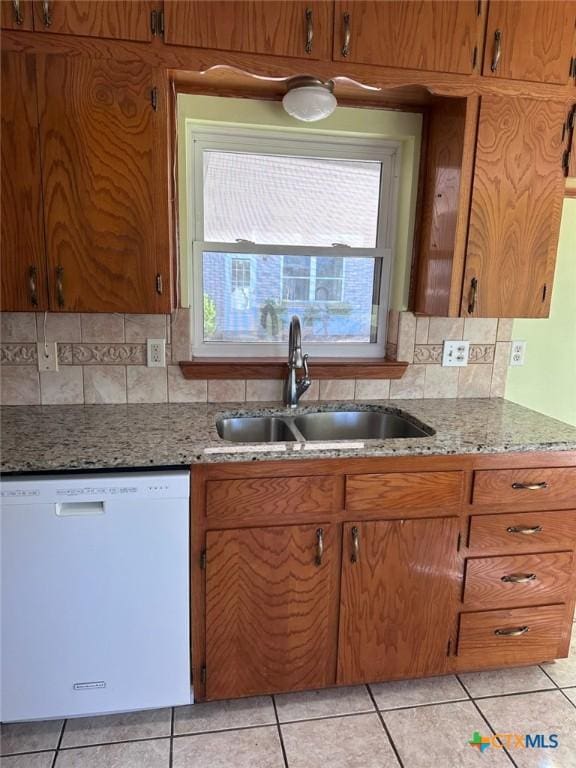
(281, 226)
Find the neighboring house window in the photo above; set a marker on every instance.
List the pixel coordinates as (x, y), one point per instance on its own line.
(282, 225)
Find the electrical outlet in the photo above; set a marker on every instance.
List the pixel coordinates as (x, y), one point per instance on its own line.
(156, 353)
(47, 356)
(517, 353)
(455, 353)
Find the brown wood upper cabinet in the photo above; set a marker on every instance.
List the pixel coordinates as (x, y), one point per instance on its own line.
(117, 19)
(516, 208)
(399, 587)
(16, 14)
(432, 36)
(23, 253)
(300, 28)
(271, 609)
(531, 40)
(102, 125)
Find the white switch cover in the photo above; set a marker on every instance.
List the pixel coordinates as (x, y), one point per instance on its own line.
(47, 356)
(517, 353)
(455, 353)
(156, 353)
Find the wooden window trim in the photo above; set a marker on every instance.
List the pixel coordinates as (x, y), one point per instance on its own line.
(275, 368)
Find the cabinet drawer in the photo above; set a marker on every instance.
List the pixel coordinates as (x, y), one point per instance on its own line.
(513, 580)
(533, 634)
(522, 531)
(270, 497)
(526, 488)
(404, 491)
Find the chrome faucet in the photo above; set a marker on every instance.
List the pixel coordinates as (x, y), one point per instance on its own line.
(294, 387)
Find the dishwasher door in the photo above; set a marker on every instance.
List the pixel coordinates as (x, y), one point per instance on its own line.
(95, 594)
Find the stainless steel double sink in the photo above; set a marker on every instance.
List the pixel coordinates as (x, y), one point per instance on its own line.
(327, 425)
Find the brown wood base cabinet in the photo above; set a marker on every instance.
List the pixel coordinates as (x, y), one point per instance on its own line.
(314, 573)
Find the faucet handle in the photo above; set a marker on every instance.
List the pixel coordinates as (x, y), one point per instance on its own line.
(306, 369)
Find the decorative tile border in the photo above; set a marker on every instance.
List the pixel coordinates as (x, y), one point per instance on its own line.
(429, 354)
(109, 354)
(18, 354)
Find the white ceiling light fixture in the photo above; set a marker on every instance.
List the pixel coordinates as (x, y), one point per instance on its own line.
(309, 99)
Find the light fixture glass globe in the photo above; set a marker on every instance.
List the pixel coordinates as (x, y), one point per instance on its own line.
(309, 103)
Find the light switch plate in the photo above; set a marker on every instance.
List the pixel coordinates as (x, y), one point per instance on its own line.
(455, 353)
(517, 353)
(47, 356)
(156, 353)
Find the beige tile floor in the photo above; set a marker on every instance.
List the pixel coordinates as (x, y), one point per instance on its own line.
(409, 724)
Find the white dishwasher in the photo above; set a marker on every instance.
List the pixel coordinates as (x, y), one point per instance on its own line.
(94, 594)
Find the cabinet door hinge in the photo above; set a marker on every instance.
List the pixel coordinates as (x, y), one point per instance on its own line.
(449, 647)
(203, 560)
(154, 98)
(474, 57)
(159, 284)
(203, 673)
(157, 23)
(458, 542)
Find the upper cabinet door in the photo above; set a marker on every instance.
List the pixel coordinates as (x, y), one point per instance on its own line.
(398, 596)
(271, 609)
(104, 185)
(301, 28)
(116, 19)
(16, 14)
(516, 208)
(430, 35)
(530, 40)
(22, 245)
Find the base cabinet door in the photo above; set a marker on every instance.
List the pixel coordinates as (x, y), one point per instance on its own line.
(271, 609)
(398, 597)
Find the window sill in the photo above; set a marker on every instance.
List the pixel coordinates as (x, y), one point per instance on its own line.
(275, 368)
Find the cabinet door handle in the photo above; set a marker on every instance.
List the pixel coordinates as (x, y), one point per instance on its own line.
(309, 30)
(518, 578)
(355, 545)
(529, 486)
(18, 17)
(60, 286)
(473, 295)
(497, 52)
(511, 632)
(346, 44)
(32, 272)
(319, 546)
(46, 13)
(527, 530)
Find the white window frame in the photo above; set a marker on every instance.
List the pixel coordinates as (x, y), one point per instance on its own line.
(201, 137)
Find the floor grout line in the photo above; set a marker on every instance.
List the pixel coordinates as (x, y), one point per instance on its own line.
(385, 727)
(489, 724)
(59, 743)
(282, 746)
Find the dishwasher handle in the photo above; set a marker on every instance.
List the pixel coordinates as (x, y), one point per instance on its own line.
(79, 508)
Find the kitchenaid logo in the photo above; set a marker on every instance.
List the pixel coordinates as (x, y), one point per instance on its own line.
(514, 741)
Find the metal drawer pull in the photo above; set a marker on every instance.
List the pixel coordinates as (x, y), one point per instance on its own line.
(309, 30)
(355, 545)
(60, 286)
(32, 272)
(529, 486)
(473, 295)
(319, 546)
(512, 632)
(497, 50)
(527, 530)
(346, 45)
(18, 18)
(519, 578)
(47, 13)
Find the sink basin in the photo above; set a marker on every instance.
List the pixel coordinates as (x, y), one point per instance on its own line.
(355, 425)
(255, 429)
(327, 426)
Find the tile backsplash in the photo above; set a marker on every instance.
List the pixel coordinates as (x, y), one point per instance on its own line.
(102, 359)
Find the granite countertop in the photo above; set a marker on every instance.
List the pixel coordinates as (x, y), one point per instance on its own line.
(96, 437)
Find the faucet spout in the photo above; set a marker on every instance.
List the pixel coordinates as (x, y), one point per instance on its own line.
(294, 386)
